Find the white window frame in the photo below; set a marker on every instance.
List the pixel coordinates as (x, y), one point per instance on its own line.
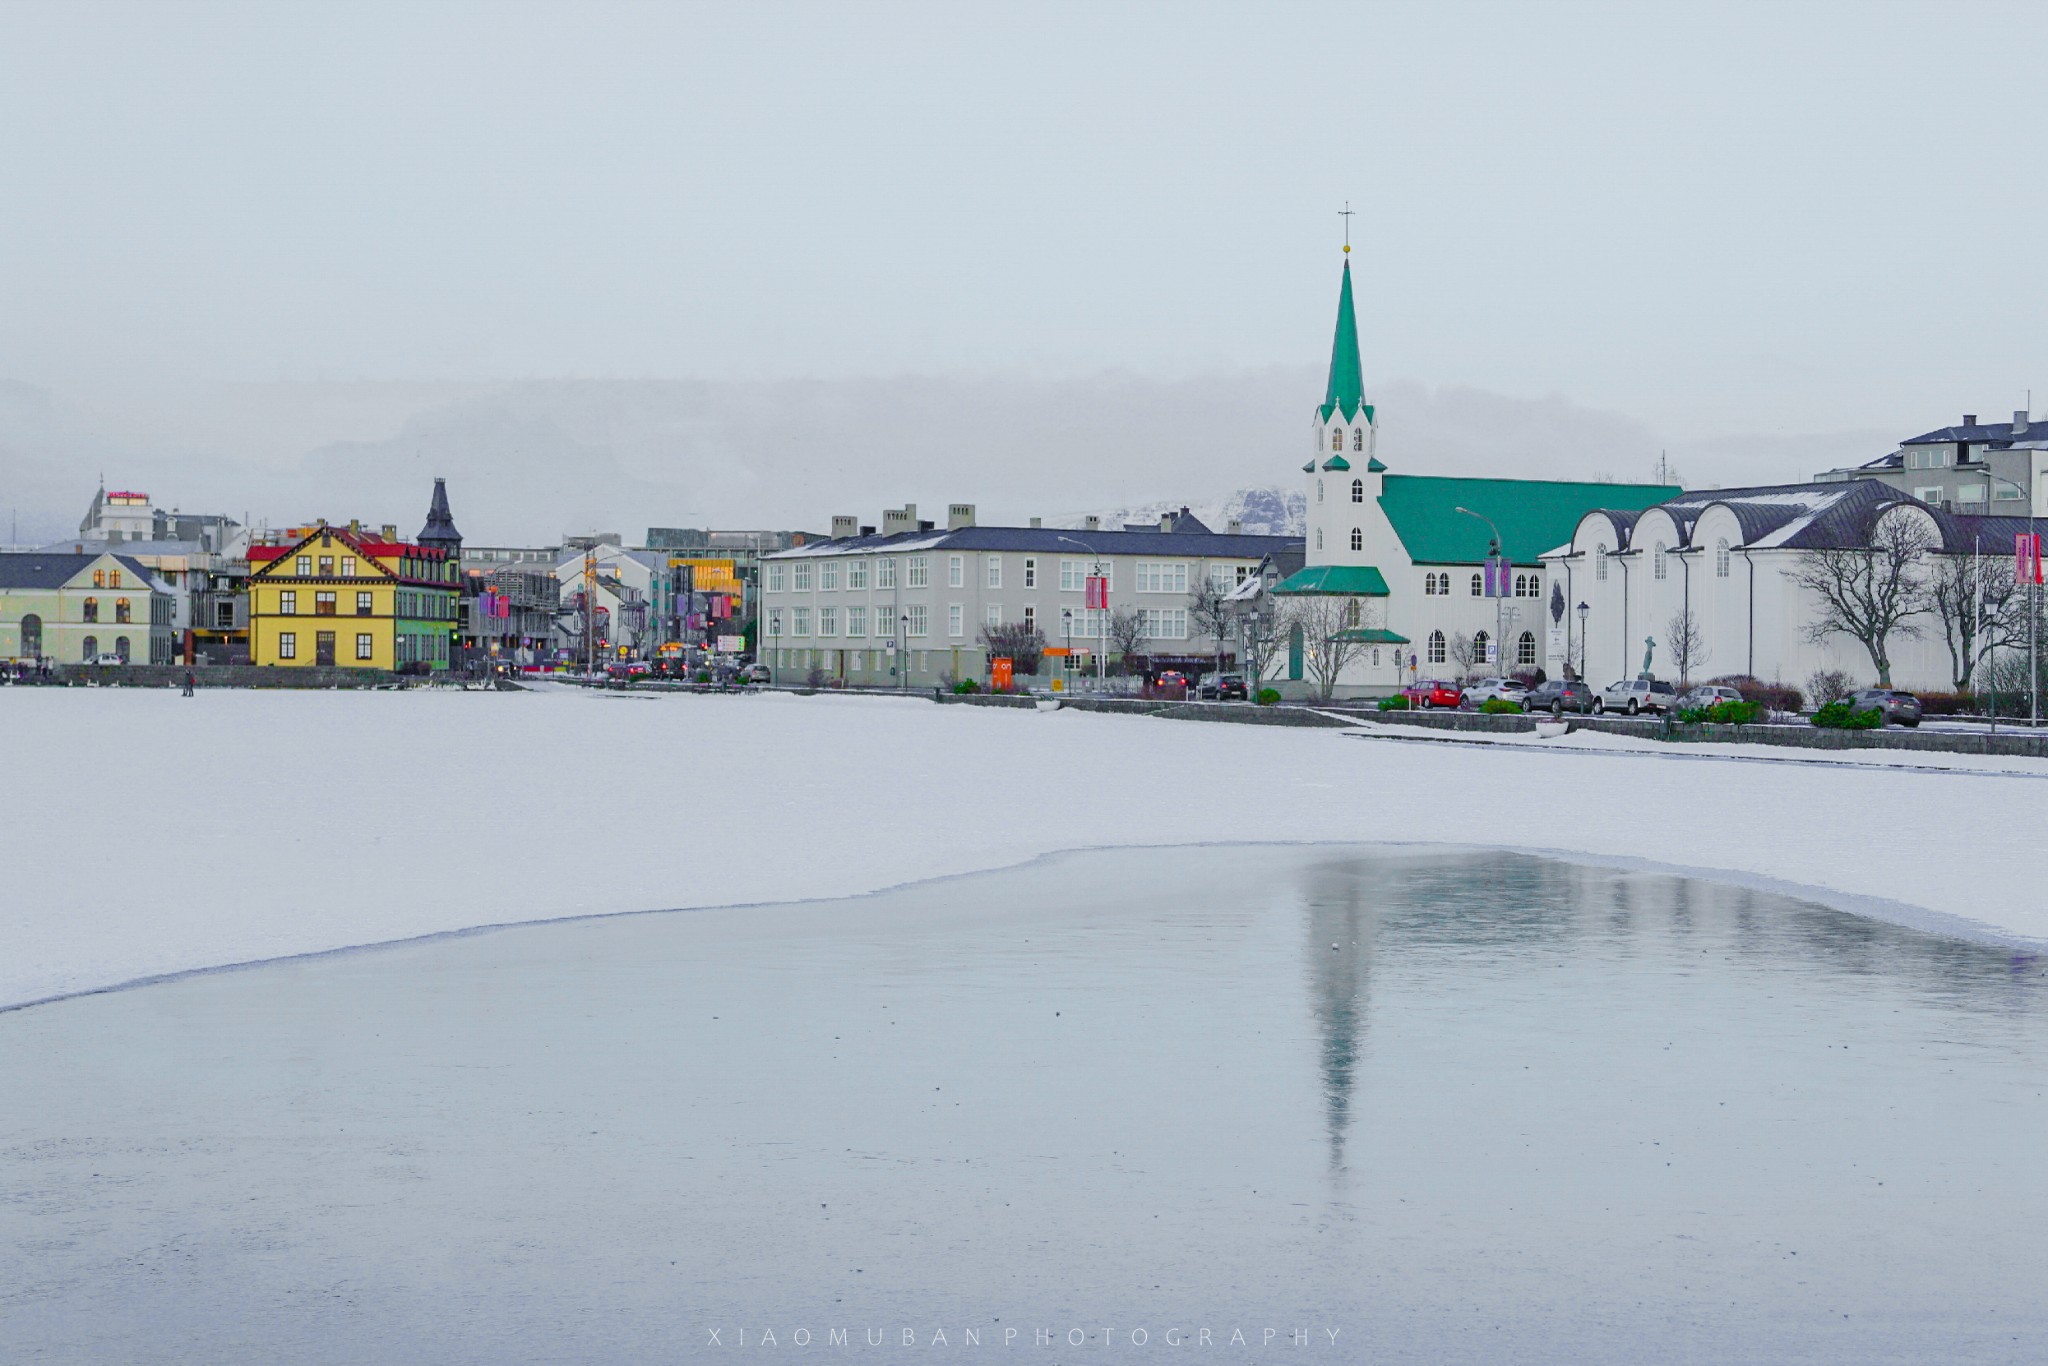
(800, 621)
(800, 577)
(366, 645)
(956, 571)
(885, 572)
(287, 644)
(828, 621)
(956, 619)
(1162, 576)
(919, 572)
(857, 622)
(856, 575)
(994, 572)
(1030, 572)
(919, 625)
(828, 577)
(1165, 623)
(994, 614)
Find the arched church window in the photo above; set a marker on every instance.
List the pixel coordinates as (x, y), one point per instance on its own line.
(1319, 490)
(1600, 563)
(1478, 585)
(1358, 490)
(1436, 647)
(1657, 561)
(1319, 538)
(1336, 438)
(1357, 539)
(1721, 558)
(1358, 438)
(1479, 639)
(1525, 648)
(1351, 612)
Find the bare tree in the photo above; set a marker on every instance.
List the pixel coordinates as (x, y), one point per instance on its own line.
(1463, 651)
(1870, 592)
(1259, 624)
(1209, 610)
(1329, 629)
(1979, 604)
(1127, 634)
(1025, 645)
(1688, 644)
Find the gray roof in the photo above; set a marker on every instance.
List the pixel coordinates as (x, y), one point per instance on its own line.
(1057, 541)
(40, 569)
(1999, 434)
(1828, 516)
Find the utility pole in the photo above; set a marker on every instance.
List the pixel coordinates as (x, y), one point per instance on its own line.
(589, 611)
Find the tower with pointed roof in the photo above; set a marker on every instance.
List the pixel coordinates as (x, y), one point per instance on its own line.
(1343, 472)
(440, 531)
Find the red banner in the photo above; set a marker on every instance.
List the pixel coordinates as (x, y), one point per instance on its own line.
(1098, 594)
(2026, 556)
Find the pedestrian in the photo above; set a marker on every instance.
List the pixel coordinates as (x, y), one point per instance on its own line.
(189, 681)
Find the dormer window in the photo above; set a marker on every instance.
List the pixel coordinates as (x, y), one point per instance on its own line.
(99, 578)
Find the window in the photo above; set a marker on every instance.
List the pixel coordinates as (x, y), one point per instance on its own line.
(323, 604)
(91, 648)
(1358, 490)
(800, 621)
(124, 610)
(1970, 493)
(918, 624)
(1930, 494)
(995, 614)
(956, 571)
(1436, 647)
(1319, 534)
(287, 645)
(775, 577)
(995, 571)
(885, 573)
(1358, 438)
(92, 609)
(1353, 611)
(363, 603)
(1319, 490)
(1336, 438)
(1165, 623)
(1221, 578)
(1721, 559)
(2006, 491)
(1030, 618)
(800, 577)
(956, 620)
(326, 566)
(1480, 640)
(288, 603)
(305, 566)
(828, 621)
(348, 566)
(856, 621)
(1657, 561)
(366, 645)
(919, 573)
(1357, 539)
(1162, 576)
(99, 578)
(1525, 648)
(828, 577)
(856, 574)
(1600, 563)
(1479, 585)
(1030, 573)
(775, 621)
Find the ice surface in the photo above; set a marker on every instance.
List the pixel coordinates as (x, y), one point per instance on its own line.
(144, 833)
(1452, 1107)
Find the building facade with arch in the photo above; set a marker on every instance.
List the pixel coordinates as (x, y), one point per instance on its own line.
(68, 608)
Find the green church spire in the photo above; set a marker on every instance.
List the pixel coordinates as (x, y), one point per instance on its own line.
(1347, 376)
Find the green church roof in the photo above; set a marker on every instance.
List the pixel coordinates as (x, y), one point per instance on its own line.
(1372, 462)
(1346, 392)
(1534, 515)
(1337, 580)
(1372, 635)
(1336, 462)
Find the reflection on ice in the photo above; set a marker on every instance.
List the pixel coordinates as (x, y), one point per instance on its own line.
(1472, 1106)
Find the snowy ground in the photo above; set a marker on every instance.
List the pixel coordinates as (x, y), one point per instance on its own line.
(143, 833)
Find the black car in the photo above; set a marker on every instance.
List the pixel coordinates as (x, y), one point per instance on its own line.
(1223, 688)
(1560, 695)
(1897, 708)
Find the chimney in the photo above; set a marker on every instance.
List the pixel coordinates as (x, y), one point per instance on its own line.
(1166, 521)
(1235, 527)
(844, 526)
(867, 531)
(2020, 421)
(389, 533)
(959, 515)
(896, 520)
(1969, 419)
(1093, 524)
(1037, 523)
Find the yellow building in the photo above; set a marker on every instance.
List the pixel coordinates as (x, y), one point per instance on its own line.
(338, 596)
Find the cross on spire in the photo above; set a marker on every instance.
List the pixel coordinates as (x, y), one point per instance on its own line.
(1345, 214)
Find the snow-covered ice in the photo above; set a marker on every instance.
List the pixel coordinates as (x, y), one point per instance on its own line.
(144, 833)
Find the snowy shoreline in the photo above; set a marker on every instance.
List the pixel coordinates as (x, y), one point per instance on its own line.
(236, 828)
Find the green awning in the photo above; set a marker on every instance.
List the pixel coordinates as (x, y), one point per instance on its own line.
(1372, 635)
(1336, 580)
(1336, 462)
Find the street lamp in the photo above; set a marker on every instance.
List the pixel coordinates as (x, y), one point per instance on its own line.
(1496, 551)
(1101, 654)
(1581, 669)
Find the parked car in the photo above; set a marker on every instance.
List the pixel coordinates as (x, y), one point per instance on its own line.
(1217, 687)
(1558, 695)
(1634, 695)
(1897, 708)
(1485, 690)
(105, 658)
(1707, 695)
(756, 673)
(1433, 692)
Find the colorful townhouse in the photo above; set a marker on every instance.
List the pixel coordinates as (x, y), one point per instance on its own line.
(341, 597)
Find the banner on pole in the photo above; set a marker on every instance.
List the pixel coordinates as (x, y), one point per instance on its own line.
(2027, 557)
(1497, 577)
(1097, 593)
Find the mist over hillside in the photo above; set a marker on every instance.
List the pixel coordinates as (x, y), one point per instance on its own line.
(530, 460)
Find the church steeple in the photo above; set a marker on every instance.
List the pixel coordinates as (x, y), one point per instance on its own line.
(440, 528)
(1346, 391)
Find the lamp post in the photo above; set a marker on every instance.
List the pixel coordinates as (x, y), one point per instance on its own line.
(2033, 606)
(1494, 552)
(1580, 669)
(1102, 653)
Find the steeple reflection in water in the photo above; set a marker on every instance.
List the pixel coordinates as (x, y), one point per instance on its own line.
(1342, 924)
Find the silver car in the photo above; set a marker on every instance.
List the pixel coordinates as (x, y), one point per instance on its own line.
(1707, 695)
(1634, 695)
(1484, 690)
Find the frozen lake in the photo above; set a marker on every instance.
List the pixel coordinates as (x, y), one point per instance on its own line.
(1447, 1106)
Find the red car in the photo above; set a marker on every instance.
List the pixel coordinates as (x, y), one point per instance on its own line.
(1433, 692)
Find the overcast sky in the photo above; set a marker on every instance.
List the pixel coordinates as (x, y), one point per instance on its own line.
(1729, 229)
